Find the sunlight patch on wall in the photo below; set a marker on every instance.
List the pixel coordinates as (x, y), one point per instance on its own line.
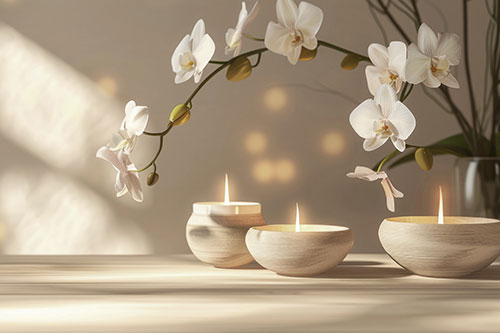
(49, 213)
(108, 85)
(48, 108)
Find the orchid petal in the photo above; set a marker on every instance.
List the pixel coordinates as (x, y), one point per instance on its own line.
(427, 40)
(134, 186)
(363, 117)
(373, 143)
(120, 186)
(417, 65)
(449, 46)
(373, 75)
(293, 55)
(287, 13)
(398, 143)
(450, 81)
(136, 120)
(379, 55)
(204, 52)
(198, 33)
(404, 121)
(183, 76)
(397, 57)
(251, 16)
(367, 174)
(309, 21)
(395, 192)
(112, 158)
(129, 107)
(277, 38)
(385, 98)
(431, 81)
(388, 194)
(182, 48)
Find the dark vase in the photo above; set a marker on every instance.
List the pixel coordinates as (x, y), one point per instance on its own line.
(477, 186)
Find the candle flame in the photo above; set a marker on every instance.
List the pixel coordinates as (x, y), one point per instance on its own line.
(297, 218)
(440, 212)
(226, 192)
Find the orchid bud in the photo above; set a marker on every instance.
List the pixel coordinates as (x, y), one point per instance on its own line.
(180, 114)
(152, 178)
(240, 69)
(424, 158)
(349, 62)
(306, 54)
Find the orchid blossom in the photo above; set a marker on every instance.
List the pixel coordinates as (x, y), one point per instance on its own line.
(388, 66)
(233, 36)
(296, 28)
(127, 178)
(133, 125)
(376, 120)
(368, 174)
(431, 59)
(193, 54)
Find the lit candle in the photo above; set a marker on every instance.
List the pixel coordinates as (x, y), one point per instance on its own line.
(216, 230)
(454, 246)
(299, 249)
(226, 207)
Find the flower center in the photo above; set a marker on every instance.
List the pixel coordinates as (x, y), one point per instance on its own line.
(297, 37)
(187, 61)
(382, 128)
(440, 65)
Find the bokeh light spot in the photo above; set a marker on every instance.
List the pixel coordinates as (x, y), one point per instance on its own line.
(275, 99)
(333, 143)
(108, 85)
(255, 142)
(263, 171)
(284, 170)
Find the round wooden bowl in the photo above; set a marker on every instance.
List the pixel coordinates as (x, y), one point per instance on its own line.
(219, 240)
(460, 246)
(313, 250)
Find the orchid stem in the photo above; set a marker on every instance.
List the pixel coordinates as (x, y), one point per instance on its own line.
(342, 50)
(387, 158)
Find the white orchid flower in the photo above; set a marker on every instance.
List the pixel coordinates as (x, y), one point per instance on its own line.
(233, 36)
(368, 174)
(383, 117)
(127, 178)
(133, 125)
(430, 62)
(296, 28)
(388, 66)
(193, 54)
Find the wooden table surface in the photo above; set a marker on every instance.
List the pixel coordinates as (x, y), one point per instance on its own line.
(366, 293)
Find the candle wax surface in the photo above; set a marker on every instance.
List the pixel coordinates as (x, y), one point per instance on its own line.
(222, 208)
(305, 228)
(447, 220)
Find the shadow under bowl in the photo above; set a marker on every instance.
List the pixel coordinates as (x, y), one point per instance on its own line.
(311, 251)
(460, 246)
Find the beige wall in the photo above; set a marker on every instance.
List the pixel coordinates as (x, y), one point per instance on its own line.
(68, 67)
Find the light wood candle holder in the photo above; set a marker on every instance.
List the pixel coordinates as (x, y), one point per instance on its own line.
(312, 250)
(215, 232)
(460, 246)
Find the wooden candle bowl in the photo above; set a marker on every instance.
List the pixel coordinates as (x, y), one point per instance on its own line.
(460, 246)
(313, 250)
(220, 240)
